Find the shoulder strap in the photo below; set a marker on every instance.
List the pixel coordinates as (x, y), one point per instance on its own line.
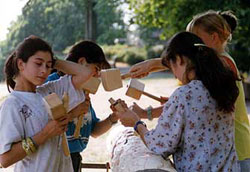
(230, 64)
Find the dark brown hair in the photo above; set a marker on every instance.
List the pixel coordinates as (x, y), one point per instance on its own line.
(218, 79)
(27, 48)
(90, 51)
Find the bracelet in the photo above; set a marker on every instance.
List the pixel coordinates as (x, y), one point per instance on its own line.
(138, 123)
(31, 144)
(112, 122)
(26, 147)
(34, 143)
(149, 113)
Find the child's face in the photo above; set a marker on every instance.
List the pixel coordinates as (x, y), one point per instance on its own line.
(206, 37)
(97, 73)
(37, 68)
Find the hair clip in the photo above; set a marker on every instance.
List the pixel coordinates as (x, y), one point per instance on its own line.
(198, 45)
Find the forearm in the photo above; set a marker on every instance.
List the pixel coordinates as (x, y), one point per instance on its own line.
(17, 153)
(156, 65)
(80, 73)
(101, 127)
(156, 112)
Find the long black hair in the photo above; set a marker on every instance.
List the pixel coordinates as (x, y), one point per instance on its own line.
(218, 79)
(27, 48)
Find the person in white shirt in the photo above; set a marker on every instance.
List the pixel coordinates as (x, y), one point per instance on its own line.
(28, 136)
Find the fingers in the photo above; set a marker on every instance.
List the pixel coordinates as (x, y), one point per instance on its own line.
(63, 122)
(87, 98)
(139, 74)
(112, 107)
(164, 100)
(122, 102)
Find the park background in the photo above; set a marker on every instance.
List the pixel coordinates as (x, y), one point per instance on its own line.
(129, 31)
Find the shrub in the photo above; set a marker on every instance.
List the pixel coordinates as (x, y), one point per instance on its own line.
(132, 58)
(124, 53)
(154, 51)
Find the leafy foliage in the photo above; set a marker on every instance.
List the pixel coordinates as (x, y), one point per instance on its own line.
(124, 53)
(173, 15)
(61, 23)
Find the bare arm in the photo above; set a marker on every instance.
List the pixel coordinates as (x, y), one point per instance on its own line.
(17, 153)
(104, 125)
(142, 113)
(142, 69)
(80, 73)
(129, 118)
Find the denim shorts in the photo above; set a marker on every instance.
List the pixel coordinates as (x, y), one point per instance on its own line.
(244, 165)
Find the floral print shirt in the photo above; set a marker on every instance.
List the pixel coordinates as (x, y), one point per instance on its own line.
(200, 137)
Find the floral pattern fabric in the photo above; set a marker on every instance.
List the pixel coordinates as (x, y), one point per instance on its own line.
(200, 137)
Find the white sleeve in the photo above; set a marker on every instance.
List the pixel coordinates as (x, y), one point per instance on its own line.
(64, 84)
(11, 125)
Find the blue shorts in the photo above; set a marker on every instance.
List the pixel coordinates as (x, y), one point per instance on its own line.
(244, 165)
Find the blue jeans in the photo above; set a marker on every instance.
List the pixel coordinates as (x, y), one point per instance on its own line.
(244, 165)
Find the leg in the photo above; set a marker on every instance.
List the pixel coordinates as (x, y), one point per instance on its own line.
(76, 161)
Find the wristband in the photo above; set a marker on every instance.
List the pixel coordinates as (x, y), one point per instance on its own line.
(138, 123)
(149, 113)
(31, 144)
(26, 147)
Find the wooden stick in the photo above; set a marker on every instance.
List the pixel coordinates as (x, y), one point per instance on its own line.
(65, 145)
(95, 165)
(79, 123)
(117, 105)
(78, 126)
(152, 96)
(126, 75)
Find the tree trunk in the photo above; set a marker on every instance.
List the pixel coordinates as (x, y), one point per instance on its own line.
(91, 20)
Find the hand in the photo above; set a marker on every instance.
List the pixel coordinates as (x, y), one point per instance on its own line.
(80, 109)
(114, 117)
(56, 127)
(138, 110)
(164, 100)
(119, 104)
(128, 118)
(140, 70)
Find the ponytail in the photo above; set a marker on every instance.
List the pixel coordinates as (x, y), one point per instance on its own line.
(218, 79)
(11, 70)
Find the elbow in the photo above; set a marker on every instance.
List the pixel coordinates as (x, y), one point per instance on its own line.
(94, 135)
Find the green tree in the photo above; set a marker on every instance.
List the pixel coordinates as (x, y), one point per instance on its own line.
(173, 15)
(62, 23)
